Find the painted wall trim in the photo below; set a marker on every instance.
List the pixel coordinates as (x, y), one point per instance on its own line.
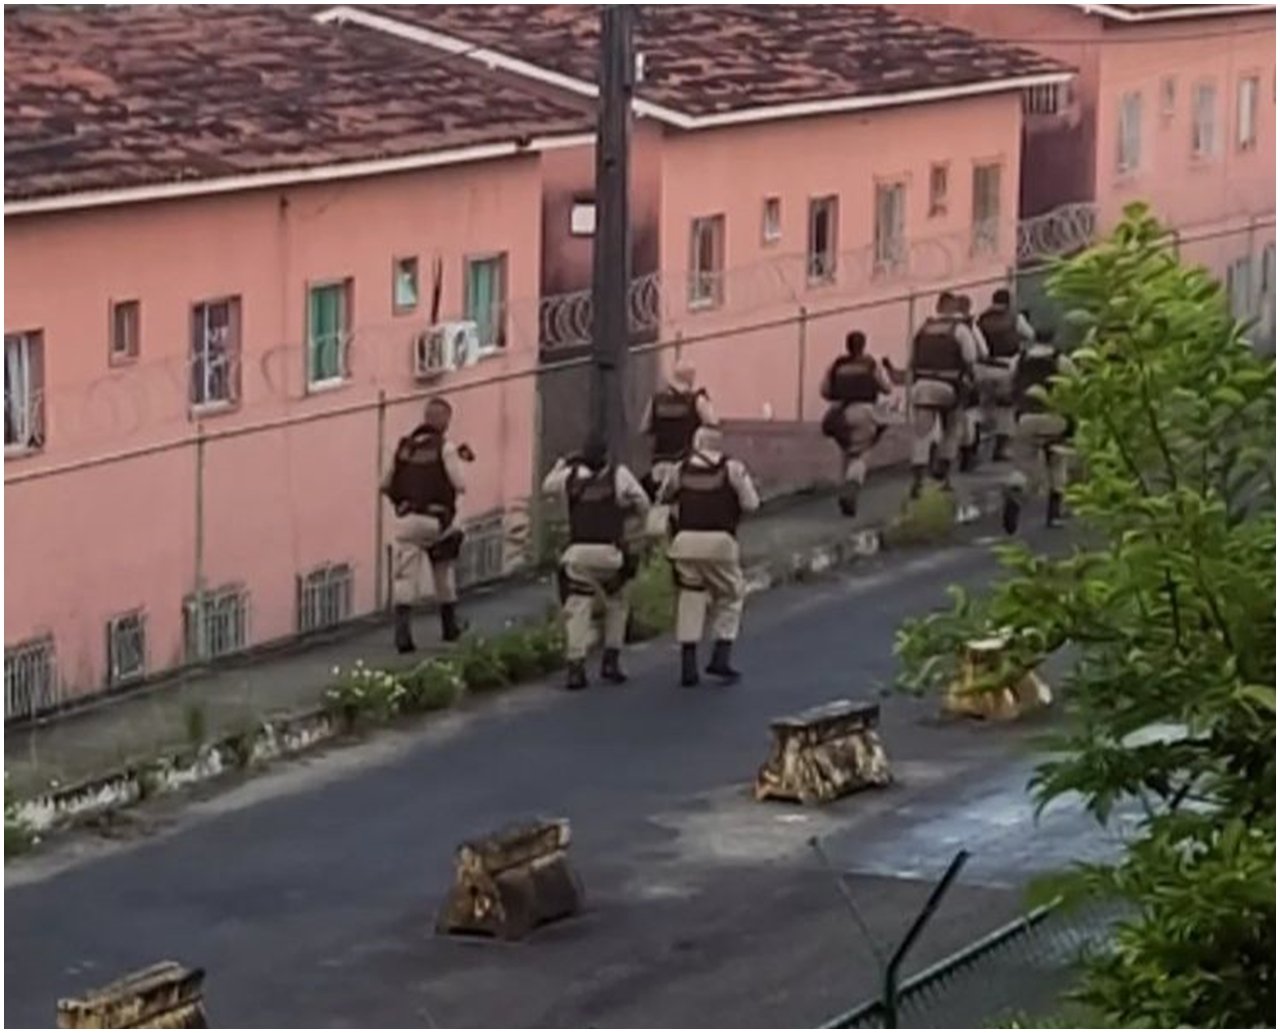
(287, 177)
(1120, 14)
(495, 60)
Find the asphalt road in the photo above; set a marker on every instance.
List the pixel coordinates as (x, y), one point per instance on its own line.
(308, 894)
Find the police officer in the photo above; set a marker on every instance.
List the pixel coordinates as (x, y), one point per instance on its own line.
(1006, 332)
(970, 402)
(853, 385)
(600, 494)
(942, 358)
(710, 492)
(423, 485)
(672, 416)
(1039, 434)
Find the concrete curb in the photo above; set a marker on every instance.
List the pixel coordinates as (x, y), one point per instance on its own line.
(296, 733)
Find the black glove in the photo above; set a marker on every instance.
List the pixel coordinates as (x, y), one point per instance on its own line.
(465, 454)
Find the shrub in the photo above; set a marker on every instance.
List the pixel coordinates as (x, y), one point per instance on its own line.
(547, 642)
(653, 599)
(364, 692)
(516, 651)
(17, 836)
(923, 521)
(479, 665)
(433, 685)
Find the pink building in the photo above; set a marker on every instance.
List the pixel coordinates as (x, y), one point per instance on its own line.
(226, 233)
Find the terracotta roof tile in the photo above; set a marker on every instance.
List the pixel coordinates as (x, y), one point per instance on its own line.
(702, 59)
(123, 96)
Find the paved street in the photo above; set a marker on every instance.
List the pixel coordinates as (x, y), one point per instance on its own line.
(308, 894)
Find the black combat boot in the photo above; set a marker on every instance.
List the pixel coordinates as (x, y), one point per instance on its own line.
(688, 664)
(719, 665)
(849, 500)
(451, 628)
(1011, 512)
(575, 676)
(611, 667)
(404, 630)
(917, 481)
(944, 474)
(1053, 515)
(1000, 453)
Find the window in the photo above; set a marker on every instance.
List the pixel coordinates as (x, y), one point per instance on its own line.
(23, 391)
(404, 285)
(486, 300)
(1129, 138)
(125, 328)
(126, 648)
(215, 352)
(1239, 287)
(328, 332)
(1046, 99)
(824, 215)
(30, 678)
(582, 217)
(772, 231)
(1168, 96)
(1266, 330)
(483, 552)
(1247, 113)
(890, 227)
(706, 262)
(986, 208)
(324, 597)
(225, 625)
(1204, 120)
(938, 189)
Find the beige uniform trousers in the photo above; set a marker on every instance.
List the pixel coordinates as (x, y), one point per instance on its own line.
(709, 575)
(658, 522)
(414, 534)
(862, 419)
(1039, 447)
(588, 569)
(995, 386)
(934, 418)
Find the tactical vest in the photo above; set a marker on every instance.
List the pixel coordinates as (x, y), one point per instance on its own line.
(936, 354)
(1034, 369)
(595, 518)
(675, 420)
(419, 478)
(1000, 328)
(854, 379)
(706, 499)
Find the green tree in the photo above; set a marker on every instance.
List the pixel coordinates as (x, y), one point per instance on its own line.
(1166, 616)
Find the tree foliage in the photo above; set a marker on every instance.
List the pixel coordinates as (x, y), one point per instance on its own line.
(1167, 618)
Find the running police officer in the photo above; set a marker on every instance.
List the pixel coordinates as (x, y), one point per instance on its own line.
(853, 385)
(596, 563)
(423, 485)
(672, 416)
(1040, 434)
(710, 492)
(971, 402)
(1007, 332)
(942, 357)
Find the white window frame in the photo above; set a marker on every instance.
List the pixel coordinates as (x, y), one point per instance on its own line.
(1239, 287)
(126, 665)
(1168, 96)
(498, 320)
(1247, 90)
(822, 267)
(1045, 99)
(985, 231)
(706, 286)
(939, 188)
(889, 227)
(23, 392)
(31, 683)
(323, 379)
(1129, 133)
(229, 604)
(132, 342)
(771, 220)
(1204, 120)
(215, 365)
(325, 597)
(399, 264)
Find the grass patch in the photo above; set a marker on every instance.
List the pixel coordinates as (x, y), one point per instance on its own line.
(653, 599)
(926, 520)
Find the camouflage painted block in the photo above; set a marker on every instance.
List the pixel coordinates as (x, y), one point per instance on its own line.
(824, 753)
(1021, 694)
(508, 884)
(164, 996)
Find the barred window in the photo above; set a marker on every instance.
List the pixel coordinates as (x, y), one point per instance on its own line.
(324, 597)
(224, 627)
(30, 678)
(126, 648)
(483, 550)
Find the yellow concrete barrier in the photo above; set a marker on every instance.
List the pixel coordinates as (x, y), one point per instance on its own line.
(164, 996)
(1021, 694)
(824, 753)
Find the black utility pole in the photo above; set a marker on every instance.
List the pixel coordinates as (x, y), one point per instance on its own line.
(611, 272)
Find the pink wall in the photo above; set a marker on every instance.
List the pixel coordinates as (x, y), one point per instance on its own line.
(85, 545)
(754, 370)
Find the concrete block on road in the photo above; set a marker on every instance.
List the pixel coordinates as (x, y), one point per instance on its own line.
(165, 996)
(824, 753)
(507, 884)
(1019, 692)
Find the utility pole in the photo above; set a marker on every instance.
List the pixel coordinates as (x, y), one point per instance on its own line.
(611, 271)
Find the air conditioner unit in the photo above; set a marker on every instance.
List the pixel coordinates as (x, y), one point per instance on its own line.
(444, 347)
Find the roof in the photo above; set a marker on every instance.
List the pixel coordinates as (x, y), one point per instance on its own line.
(712, 64)
(102, 101)
(1130, 13)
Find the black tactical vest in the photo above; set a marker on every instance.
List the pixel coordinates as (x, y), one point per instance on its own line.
(675, 420)
(936, 354)
(1000, 328)
(854, 379)
(419, 478)
(1034, 369)
(595, 518)
(706, 499)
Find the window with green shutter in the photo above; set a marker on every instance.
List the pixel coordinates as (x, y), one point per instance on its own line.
(328, 331)
(486, 299)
